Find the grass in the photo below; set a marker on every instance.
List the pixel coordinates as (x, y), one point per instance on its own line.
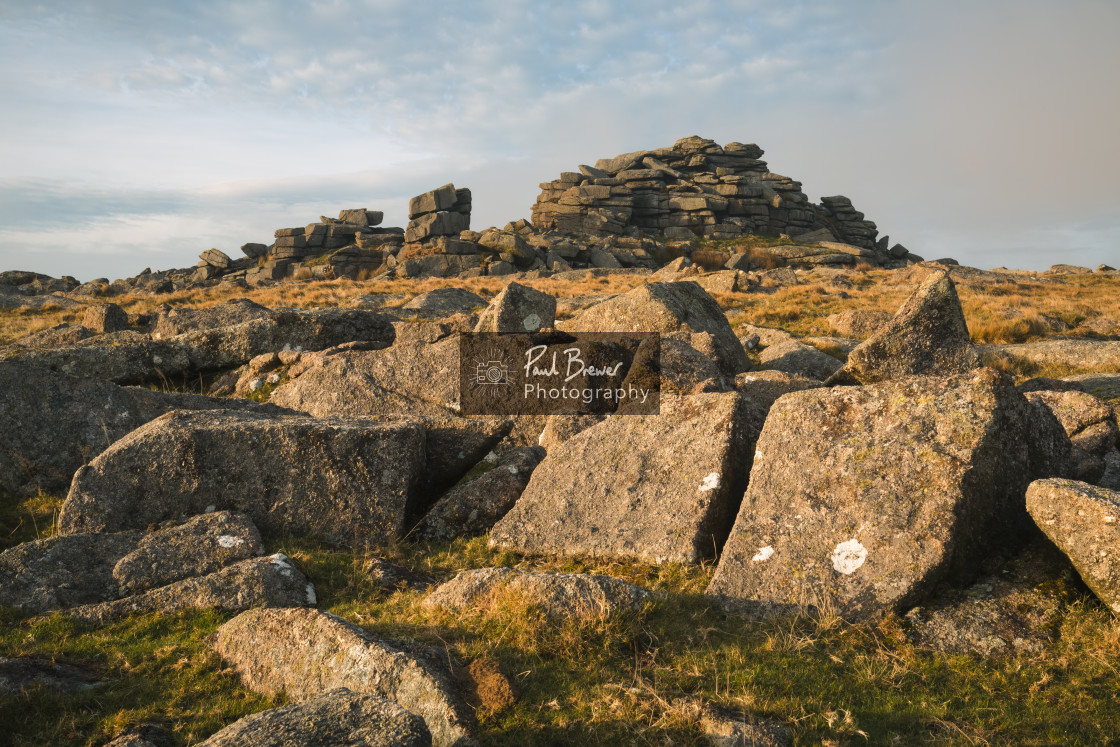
(625, 679)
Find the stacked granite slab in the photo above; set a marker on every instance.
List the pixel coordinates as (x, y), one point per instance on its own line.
(694, 188)
(441, 212)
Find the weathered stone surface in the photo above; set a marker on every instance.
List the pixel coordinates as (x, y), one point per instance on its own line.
(304, 653)
(252, 250)
(436, 224)
(1012, 608)
(683, 368)
(361, 217)
(273, 581)
(518, 308)
(392, 577)
(144, 735)
(1090, 425)
(430, 202)
(798, 359)
(859, 323)
(176, 320)
(661, 488)
(105, 317)
(474, 507)
(351, 481)
(1103, 355)
(442, 302)
(559, 595)
(58, 572)
(19, 674)
(338, 717)
(927, 336)
(1084, 522)
(664, 308)
(52, 423)
(765, 387)
(862, 498)
(559, 428)
(215, 258)
(201, 545)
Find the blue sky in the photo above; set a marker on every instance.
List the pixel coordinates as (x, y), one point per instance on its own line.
(138, 134)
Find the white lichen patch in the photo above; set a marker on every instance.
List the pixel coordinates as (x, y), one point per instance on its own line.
(228, 540)
(283, 562)
(312, 600)
(711, 482)
(211, 508)
(532, 322)
(848, 556)
(764, 553)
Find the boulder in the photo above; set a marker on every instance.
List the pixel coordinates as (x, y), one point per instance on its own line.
(430, 202)
(442, 302)
(765, 387)
(1083, 521)
(926, 337)
(798, 359)
(391, 577)
(475, 506)
(258, 582)
(75, 420)
(351, 481)
(253, 250)
(105, 317)
(518, 308)
(361, 217)
(203, 544)
(304, 653)
(1090, 425)
(682, 368)
(665, 308)
(559, 428)
(733, 727)
(436, 224)
(215, 258)
(862, 498)
(559, 595)
(660, 488)
(176, 320)
(18, 675)
(338, 717)
(859, 323)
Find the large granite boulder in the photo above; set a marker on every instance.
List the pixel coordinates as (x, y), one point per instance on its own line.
(1090, 425)
(442, 302)
(798, 359)
(559, 595)
(351, 481)
(518, 308)
(660, 488)
(1084, 522)
(176, 320)
(105, 317)
(927, 337)
(665, 308)
(862, 498)
(52, 423)
(338, 717)
(305, 653)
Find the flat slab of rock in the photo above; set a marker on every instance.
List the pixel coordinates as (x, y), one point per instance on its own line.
(859, 323)
(1090, 425)
(339, 717)
(519, 309)
(926, 337)
(350, 481)
(18, 674)
(75, 420)
(441, 302)
(305, 653)
(798, 359)
(475, 506)
(765, 387)
(862, 498)
(560, 595)
(273, 581)
(661, 488)
(664, 308)
(1084, 522)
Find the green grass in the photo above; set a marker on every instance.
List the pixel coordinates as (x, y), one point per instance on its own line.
(627, 679)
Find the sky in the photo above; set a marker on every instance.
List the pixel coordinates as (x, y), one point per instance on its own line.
(138, 134)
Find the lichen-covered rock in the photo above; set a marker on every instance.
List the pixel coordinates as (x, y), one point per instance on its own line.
(559, 428)
(926, 337)
(200, 545)
(661, 488)
(1090, 425)
(144, 735)
(441, 302)
(559, 595)
(105, 317)
(52, 423)
(392, 577)
(1084, 522)
(798, 359)
(859, 323)
(765, 387)
(475, 506)
(351, 481)
(732, 727)
(59, 572)
(1012, 608)
(338, 717)
(273, 581)
(520, 309)
(305, 653)
(18, 674)
(862, 498)
(665, 308)
(176, 320)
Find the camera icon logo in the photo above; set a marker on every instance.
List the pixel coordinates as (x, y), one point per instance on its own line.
(492, 373)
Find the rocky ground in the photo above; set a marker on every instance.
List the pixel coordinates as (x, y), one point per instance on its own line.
(879, 502)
